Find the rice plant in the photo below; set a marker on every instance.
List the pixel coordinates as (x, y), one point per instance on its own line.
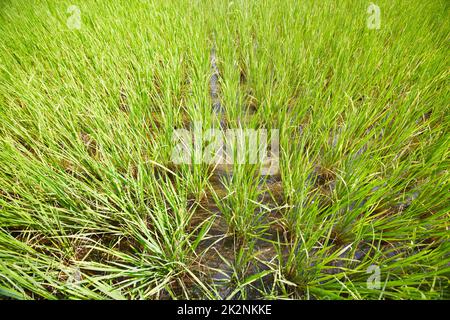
(355, 204)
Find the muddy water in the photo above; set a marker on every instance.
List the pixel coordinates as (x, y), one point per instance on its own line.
(217, 108)
(218, 251)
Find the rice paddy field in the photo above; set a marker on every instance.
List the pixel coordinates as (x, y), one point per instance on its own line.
(351, 202)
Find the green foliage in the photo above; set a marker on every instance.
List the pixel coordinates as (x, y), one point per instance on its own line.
(91, 206)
